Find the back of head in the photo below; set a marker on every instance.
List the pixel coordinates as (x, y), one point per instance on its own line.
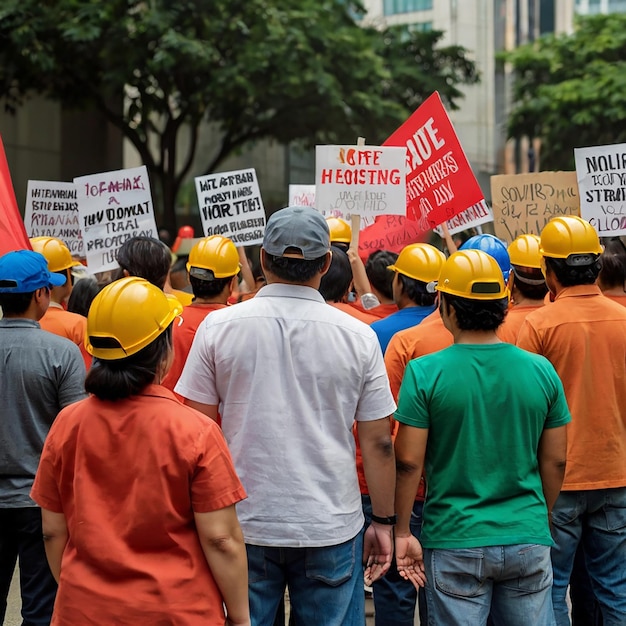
(613, 272)
(525, 256)
(22, 273)
(418, 266)
(83, 293)
(336, 282)
(378, 272)
(129, 334)
(147, 258)
(340, 231)
(570, 247)
(212, 263)
(473, 284)
(494, 247)
(56, 253)
(296, 243)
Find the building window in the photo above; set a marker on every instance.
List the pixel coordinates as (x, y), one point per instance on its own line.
(393, 7)
(617, 6)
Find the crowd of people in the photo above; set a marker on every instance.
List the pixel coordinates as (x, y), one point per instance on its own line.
(185, 439)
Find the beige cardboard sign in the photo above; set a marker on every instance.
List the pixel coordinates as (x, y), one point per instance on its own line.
(525, 203)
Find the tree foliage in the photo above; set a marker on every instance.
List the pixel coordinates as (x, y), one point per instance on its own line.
(570, 90)
(281, 69)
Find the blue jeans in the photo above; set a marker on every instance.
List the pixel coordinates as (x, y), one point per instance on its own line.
(512, 582)
(325, 584)
(597, 519)
(21, 536)
(395, 598)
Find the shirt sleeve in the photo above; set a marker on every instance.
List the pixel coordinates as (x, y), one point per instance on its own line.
(72, 377)
(376, 400)
(395, 363)
(45, 490)
(558, 412)
(197, 380)
(215, 484)
(528, 338)
(412, 401)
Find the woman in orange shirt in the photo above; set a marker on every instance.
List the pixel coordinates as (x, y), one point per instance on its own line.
(137, 491)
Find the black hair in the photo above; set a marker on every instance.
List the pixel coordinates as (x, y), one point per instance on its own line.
(336, 282)
(147, 258)
(477, 314)
(417, 291)
(569, 275)
(13, 304)
(180, 265)
(613, 272)
(293, 270)
(614, 245)
(341, 245)
(121, 378)
(83, 293)
(379, 276)
(536, 291)
(208, 288)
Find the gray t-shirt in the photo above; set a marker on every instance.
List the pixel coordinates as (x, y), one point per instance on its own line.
(40, 373)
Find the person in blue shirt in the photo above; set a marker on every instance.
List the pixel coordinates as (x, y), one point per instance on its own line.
(416, 272)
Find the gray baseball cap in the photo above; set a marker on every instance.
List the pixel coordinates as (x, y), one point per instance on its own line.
(299, 227)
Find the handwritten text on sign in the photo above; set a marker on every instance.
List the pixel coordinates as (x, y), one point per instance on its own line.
(601, 172)
(389, 232)
(439, 180)
(302, 195)
(525, 203)
(474, 216)
(113, 207)
(51, 210)
(359, 180)
(231, 205)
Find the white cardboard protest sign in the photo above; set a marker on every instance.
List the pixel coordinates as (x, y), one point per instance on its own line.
(601, 174)
(113, 207)
(231, 205)
(478, 214)
(51, 210)
(360, 180)
(302, 195)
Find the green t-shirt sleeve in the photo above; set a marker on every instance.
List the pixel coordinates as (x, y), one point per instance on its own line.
(412, 403)
(558, 412)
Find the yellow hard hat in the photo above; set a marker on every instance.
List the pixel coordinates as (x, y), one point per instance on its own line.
(419, 261)
(56, 252)
(524, 251)
(126, 316)
(340, 230)
(472, 274)
(215, 253)
(564, 236)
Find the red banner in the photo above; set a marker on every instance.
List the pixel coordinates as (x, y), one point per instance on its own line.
(389, 232)
(12, 232)
(439, 180)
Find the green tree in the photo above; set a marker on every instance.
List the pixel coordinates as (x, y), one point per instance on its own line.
(570, 90)
(282, 69)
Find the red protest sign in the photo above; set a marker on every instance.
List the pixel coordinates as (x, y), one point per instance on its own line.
(389, 232)
(12, 232)
(439, 180)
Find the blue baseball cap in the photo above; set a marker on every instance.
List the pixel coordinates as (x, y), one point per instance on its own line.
(25, 271)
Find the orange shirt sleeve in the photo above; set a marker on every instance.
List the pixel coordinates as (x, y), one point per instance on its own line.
(215, 484)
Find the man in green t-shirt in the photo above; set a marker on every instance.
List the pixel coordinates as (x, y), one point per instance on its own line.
(486, 421)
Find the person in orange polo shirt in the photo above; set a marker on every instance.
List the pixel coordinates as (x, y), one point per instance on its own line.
(148, 533)
(213, 266)
(57, 319)
(527, 284)
(583, 334)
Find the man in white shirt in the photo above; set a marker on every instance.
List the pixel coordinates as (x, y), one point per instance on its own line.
(289, 375)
